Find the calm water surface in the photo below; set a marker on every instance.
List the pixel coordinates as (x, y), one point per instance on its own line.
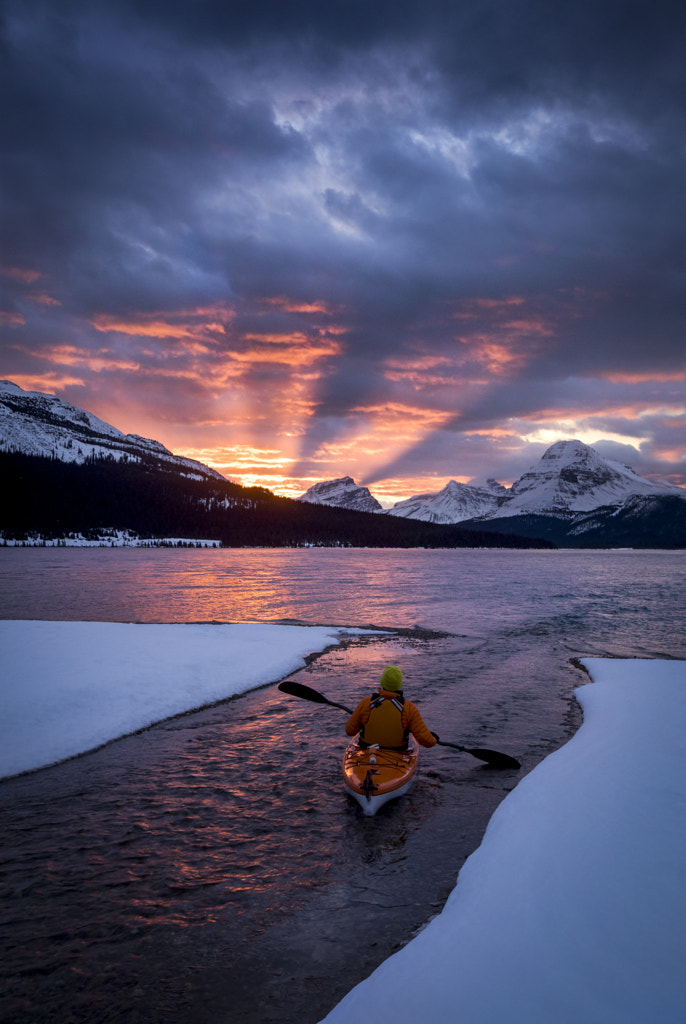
(211, 868)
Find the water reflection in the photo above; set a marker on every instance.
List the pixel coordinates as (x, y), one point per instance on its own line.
(212, 869)
(209, 827)
(475, 593)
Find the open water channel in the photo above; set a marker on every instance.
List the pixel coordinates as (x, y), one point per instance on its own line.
(211, 869)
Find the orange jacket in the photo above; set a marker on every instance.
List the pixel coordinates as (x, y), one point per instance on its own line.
(410, 719)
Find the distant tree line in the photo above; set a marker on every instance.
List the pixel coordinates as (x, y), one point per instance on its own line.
(647, 521)
(56, 498)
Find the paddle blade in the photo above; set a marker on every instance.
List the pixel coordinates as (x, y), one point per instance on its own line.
(307, 693)
(494, 757)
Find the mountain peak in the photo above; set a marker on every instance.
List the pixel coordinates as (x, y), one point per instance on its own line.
(572, 477)
(568, 451)
(342, 493)
(453, 504)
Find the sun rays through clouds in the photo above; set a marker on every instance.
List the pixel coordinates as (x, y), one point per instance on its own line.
(410, 245)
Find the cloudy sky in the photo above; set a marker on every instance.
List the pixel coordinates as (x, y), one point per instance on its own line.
(403, 241)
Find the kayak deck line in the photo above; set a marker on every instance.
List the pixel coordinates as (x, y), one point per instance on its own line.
(374, 775)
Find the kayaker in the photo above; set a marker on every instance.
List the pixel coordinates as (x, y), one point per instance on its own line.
(386, 718)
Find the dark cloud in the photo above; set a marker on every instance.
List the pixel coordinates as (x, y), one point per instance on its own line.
(486, 198)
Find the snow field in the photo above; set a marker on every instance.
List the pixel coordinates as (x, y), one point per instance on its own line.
(68, 687)
(573, 909)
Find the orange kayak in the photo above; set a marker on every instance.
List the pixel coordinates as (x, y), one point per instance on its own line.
(375, 775)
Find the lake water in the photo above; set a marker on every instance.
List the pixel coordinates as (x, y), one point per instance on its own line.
(211, 868)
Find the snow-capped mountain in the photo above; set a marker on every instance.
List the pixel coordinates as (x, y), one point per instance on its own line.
(343, 493)
(575, 498)
(453, 504)
(572, 477)
(41, 424)
(570, 482)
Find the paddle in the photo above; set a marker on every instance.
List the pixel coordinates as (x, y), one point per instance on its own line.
(307, 693)
(492, 757)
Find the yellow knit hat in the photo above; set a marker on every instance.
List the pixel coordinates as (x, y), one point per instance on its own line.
(392, 678)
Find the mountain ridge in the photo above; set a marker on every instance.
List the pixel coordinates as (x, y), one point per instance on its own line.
(454, 503)
(573, 497)
(66, 474)
(342, 493)
(35, 423)
(570, 477)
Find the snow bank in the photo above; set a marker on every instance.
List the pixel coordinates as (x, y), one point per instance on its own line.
(573, 910)
(68, 687)
(108, 538)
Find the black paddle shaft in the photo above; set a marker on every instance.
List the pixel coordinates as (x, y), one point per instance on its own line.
(492, 757)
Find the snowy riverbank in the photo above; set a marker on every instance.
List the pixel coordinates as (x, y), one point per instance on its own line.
(68, 687)
(573, 909)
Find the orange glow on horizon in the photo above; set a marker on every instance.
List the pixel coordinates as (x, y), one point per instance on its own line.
(376, 436)
(264, 472)
(252, 391)
(394, 489)
(373, 436)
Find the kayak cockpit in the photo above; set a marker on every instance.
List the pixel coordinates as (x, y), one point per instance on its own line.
(374, 775)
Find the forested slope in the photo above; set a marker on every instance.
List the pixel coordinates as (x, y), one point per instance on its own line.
(54, 498)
